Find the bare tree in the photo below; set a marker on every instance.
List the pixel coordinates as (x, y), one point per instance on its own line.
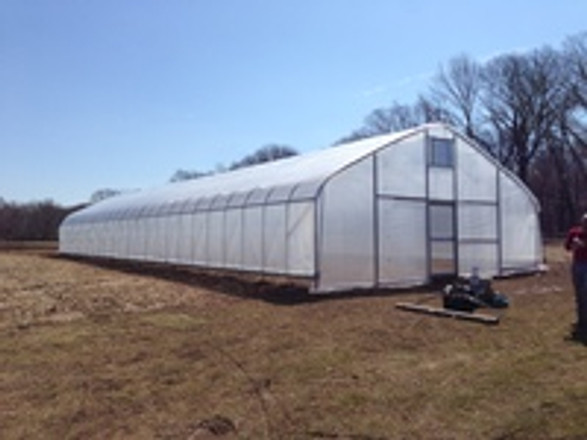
(427, 110)
(459, 87)
(102, 194)
(576, 52)
(264, 154)
(398, 117)
(268, 153)
(182, 175)
(523, 96)
(355, 135)
(564, 173)
(395, 118)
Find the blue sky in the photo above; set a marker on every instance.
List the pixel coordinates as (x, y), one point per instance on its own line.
(122, 93)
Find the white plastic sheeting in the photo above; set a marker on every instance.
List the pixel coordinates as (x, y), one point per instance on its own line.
(478, 222)
(376, 212)
(347, 247)
(477, 174)
(300, 238)
(401, 170)
(275, 241)
(441, 184)
(253, 255)
(402, 233)
(402, 242)
(478, 211)
(520, 239)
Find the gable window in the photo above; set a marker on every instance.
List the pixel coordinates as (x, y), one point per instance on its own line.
(441, 152)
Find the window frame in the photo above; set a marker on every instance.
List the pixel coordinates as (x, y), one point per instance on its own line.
(441, 152)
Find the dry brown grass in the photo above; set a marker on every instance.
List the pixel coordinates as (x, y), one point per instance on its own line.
(28, 245)
(93, 352)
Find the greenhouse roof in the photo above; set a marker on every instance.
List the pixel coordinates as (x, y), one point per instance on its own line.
(294, 178)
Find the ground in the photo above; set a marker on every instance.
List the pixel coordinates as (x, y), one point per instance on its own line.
(92, 351)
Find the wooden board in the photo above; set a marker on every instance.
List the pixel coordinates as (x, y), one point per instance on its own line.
(439, 311)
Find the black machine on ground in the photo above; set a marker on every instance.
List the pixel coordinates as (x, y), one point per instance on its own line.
(468, 294)
(461, 298)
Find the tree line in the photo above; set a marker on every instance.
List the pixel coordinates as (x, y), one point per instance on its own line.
(31, 221)
(528, 110)
(267, 153)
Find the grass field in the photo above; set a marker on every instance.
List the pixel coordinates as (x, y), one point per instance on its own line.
(97, 352)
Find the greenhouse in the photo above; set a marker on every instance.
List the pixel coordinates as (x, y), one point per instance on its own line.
(393, 210)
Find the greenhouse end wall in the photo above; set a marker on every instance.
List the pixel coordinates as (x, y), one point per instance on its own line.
(395, 220)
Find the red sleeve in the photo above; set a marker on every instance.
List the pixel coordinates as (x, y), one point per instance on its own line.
(568, 240)
(571, 234)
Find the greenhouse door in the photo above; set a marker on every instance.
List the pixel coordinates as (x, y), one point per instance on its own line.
(442, 239)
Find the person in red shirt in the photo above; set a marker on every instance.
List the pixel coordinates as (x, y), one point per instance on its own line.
(576, 242)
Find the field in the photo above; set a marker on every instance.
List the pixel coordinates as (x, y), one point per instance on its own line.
(120, 352)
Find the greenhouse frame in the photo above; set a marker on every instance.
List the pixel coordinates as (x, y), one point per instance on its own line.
(393, 210)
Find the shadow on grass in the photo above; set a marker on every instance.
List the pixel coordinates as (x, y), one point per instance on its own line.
(277, 290)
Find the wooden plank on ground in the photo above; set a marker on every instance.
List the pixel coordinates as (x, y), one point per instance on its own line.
(439, 311)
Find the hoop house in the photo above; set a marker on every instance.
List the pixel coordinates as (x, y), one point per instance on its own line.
(392, 210)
